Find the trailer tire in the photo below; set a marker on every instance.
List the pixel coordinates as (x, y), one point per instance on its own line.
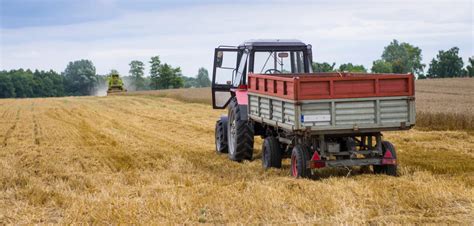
(390, 170)
(240, 133)
(271, 153)
(299, 158)
(221, 136)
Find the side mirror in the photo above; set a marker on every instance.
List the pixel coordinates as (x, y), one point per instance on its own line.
(219, 58)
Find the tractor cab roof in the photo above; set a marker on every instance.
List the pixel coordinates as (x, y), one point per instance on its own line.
(269, 43)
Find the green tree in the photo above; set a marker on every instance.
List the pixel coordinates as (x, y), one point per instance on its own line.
(323, 67)
(47, 84)
(41, 84)
(446, 64)
(57, 87)
(381, 66)
(80, 78)
(22, 82)
(202, 78)
(136, 73)
(190, 82)
(7, 89)
(154, 72)
(26, 83)
(169, 77)
(470, 67)
(403, 57)
(164, 76)
(349, 67)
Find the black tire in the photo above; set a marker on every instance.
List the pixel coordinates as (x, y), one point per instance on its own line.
(221, 136)
(390, 170)
(299, 158)
(240, 134)
(271, 153)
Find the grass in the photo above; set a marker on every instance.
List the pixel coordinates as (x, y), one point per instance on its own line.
(148, 158)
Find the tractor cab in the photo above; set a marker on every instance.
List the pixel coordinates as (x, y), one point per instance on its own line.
(232, 64)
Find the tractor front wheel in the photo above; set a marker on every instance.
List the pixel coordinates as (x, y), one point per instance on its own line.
(240, 134)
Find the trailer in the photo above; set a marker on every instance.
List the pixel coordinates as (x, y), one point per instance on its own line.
(319, 120)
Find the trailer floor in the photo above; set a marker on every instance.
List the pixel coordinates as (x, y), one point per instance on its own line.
(140, 159)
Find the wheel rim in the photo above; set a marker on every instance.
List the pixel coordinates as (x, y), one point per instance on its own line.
(294, 168)
(218, 142)
(232, 132)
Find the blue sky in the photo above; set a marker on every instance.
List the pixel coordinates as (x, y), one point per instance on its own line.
(48, 34)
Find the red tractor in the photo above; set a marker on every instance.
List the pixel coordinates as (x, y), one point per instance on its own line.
(317, 119)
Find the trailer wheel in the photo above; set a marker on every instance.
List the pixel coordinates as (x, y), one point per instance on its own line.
(390, 170)
(271, 153)
(299, 158)
(221, 136)
(240, 134)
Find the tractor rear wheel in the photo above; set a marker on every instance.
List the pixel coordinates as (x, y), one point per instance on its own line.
(240, 134)
(271, 153)
(299, 158)
(221, 136)
(390, 170)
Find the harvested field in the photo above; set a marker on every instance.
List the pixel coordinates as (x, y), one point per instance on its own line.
(149, 158)
(445, 104)
(192, 95)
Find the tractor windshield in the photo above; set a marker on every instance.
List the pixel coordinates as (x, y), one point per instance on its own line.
(279, 62)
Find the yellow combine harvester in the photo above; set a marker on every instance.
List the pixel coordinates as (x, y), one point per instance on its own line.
(115, 84)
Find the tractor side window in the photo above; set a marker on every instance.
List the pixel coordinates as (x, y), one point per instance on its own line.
(226, 62)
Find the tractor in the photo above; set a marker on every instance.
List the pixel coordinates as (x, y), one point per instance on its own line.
(115, 84)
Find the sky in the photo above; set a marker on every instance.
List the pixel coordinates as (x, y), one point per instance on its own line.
(47, 34)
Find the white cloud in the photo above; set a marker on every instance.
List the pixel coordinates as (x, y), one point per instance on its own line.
(340, 32)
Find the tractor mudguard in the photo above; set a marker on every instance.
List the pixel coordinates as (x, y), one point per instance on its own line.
(242, 100)
(243, 112)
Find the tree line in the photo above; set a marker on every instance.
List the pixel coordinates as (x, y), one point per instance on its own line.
(406, 58)
(163, 76)
(80, 79)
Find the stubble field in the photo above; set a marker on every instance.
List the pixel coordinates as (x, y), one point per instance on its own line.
(149, 157)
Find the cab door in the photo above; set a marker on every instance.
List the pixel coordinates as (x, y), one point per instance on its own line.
(223, 74)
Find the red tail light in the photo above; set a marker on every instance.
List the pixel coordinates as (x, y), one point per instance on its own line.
(388, 159)
(315, 156)
(316, 161)
(388, 155)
